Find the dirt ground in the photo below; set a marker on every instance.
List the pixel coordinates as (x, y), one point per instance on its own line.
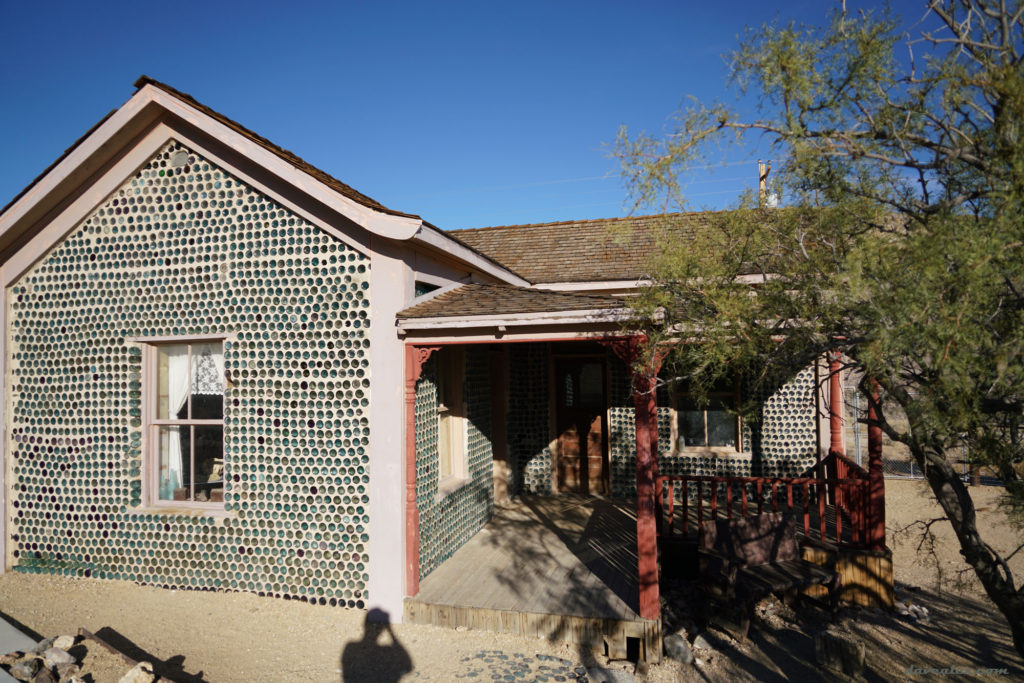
(963, 631)
(194, 636)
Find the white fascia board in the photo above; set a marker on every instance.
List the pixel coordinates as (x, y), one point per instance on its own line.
(101, 187)
(58, 227)
(597, 315)
(383, 224)
(436, 239)
(274, 193)
(510, 335)
(77, 157)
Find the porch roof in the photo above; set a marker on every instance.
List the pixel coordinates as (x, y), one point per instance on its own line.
(474, 299)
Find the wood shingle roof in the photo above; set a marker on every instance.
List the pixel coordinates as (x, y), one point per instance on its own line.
(491, 299)
(581, 251)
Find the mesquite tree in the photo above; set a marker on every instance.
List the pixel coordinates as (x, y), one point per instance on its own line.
(900, 245)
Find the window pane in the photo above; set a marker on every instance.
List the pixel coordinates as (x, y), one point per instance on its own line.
(172, 382)
(207, 385)
(173, 454)
(592, 385)
(691, 428)
(209, 463)
(721, 425)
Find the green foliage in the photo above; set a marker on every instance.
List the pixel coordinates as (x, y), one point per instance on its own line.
(903, 240)
(901, 244)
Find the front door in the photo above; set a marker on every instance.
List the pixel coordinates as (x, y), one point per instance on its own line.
(581, 462)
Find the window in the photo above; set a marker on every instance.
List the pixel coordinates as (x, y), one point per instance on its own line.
(422, 288)
(183, 405)
(708, 426)
(451, 419)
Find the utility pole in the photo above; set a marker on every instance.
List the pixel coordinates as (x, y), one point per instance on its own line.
(763, 169)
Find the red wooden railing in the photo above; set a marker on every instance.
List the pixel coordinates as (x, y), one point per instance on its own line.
(718, 497)
(838, 466)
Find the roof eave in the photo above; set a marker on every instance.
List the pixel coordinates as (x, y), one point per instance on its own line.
(435, 239)
(75, 166)
(384, 224)
(146, 106)
(590, 316)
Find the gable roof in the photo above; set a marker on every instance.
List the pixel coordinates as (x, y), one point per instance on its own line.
(56, 162)
(293, 159)
(581, 251)
(489, 299)
(282, 153)
(86, 171)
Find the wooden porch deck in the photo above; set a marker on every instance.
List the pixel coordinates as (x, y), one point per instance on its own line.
(560, 567)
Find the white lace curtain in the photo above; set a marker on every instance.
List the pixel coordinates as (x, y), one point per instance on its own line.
(206, 377)
(177, 395)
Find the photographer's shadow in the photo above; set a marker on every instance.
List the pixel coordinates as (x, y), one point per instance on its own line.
(370, 660)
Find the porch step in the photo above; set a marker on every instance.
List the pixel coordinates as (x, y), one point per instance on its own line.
(605, 636)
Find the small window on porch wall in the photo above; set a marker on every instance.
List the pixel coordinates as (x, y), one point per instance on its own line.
(422, 288)
(451, 419)
(711, 425)
(184, 422)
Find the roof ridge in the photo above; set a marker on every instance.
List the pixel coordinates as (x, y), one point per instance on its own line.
(591, 220)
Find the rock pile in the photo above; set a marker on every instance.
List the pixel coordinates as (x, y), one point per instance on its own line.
(47, 662)
(51, 661)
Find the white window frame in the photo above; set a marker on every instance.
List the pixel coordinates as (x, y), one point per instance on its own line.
(151, 424)
(740, 447)
(452, 423)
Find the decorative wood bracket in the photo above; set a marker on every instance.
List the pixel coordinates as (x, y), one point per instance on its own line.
(627, 349)
(420, 356)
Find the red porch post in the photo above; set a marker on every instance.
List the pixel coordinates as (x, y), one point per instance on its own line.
(835, 403)
(876, 477)
(645, 420)
(646, 527)
(415, 357)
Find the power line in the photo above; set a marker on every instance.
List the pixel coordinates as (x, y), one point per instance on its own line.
(561, 181)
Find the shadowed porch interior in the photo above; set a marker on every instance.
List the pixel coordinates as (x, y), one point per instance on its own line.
(559, 567)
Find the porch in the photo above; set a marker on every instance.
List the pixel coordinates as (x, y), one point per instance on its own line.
(557, 567)
(531, 400)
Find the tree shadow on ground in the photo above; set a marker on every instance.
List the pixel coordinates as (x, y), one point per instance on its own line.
(370, 660)
(565, 555)
(961, 632)
(21, 627)
(171, 668)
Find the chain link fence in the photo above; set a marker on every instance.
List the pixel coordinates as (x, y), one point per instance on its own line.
(896, 460)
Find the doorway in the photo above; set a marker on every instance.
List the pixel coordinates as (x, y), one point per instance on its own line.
(581, 463)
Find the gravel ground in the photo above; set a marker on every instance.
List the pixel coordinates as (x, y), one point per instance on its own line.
(191, 635)
(194, 636)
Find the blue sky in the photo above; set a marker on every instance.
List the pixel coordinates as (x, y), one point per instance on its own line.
(466, 113)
